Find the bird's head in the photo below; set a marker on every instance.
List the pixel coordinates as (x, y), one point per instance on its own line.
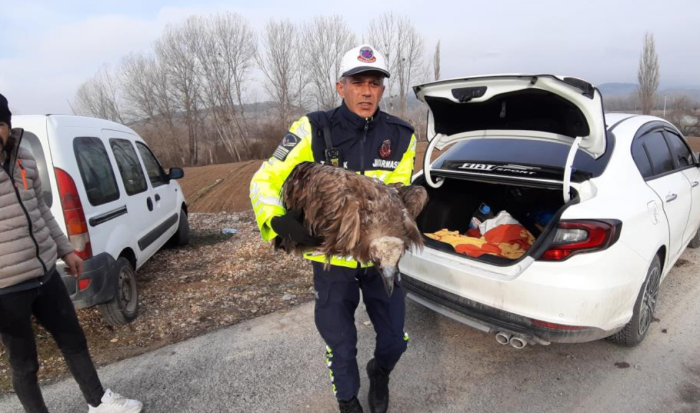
(386, 252)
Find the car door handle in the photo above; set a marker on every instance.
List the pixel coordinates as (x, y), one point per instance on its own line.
(149, 203)
(157, 197)
(694, 184)
(671, 197)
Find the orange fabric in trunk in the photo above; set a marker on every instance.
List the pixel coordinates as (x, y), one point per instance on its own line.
(508, 240)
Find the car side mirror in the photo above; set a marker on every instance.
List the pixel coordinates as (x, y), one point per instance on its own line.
(176, 173)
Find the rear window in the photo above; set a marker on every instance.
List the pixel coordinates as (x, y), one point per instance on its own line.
(31, 143)
(96, 170)
(519, 154)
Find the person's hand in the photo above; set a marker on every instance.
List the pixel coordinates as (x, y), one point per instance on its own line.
(291, 226)
(74, 264)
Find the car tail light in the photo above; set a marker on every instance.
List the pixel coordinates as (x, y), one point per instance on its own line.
(573, 237)
(76, 225)
(84, 284)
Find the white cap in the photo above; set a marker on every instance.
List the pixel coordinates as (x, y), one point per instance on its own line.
(363, 58)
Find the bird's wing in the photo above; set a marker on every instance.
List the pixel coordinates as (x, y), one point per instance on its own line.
(415, 197)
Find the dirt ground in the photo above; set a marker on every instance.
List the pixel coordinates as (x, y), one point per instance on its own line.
(216, 281)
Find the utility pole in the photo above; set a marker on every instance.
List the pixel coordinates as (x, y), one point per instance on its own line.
(665, 97)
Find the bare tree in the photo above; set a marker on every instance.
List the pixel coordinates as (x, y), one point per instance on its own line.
(98, 97)
(682, 114)
(398, 39)
(436, 62)
(225, 55)
(326, 41)
(176, 51)
(648, 74)
(279, 62)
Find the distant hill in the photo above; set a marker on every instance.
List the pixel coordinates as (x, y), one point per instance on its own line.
(625, 89)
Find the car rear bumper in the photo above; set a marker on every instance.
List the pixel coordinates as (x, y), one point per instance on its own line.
(584, 298)
(491, 320)
(102, 287)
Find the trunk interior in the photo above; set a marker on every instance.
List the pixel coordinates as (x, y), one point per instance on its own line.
(451, 207)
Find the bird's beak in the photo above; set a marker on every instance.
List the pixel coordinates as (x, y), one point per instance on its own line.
(388, 277)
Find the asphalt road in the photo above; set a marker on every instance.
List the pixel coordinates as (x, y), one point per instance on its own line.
(275, 364)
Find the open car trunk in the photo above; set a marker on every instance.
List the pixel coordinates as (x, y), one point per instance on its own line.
(451, 207)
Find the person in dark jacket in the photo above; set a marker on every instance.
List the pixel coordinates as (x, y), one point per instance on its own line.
(356, 136)
(30, 243)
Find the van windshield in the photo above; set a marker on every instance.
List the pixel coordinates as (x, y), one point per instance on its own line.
(31, 143)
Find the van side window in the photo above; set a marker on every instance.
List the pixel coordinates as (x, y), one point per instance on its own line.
(96, 170)
(153, 168)
(31, 143)
(129, 166)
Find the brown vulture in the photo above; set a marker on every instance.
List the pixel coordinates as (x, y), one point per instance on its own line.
(355, 215)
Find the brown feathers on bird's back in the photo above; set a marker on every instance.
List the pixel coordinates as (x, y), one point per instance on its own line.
(349, 210)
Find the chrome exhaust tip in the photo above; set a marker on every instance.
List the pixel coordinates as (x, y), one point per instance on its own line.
(518, 343)
(503, 338)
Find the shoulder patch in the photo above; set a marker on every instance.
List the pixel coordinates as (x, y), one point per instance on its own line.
(289, 141)
(397, 121)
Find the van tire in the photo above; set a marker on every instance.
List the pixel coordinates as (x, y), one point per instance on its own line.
(182, 236)
(123, 308)
(695, 242)
(644, 307)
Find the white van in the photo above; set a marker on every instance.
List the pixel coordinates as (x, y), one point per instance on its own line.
(111, 197)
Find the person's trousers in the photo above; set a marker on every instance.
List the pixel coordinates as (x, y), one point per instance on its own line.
(53, 309)
(337, 298)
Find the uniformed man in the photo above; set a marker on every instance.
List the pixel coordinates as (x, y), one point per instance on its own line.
(359, 137)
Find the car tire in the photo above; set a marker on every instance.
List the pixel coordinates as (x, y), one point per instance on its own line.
(182, 236)
(634, 332)
(123, 308)
(695, 242)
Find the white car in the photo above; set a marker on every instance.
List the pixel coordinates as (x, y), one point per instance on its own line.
(619, 195)
(111, 197)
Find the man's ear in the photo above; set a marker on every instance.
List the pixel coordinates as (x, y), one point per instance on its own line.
(340, 88)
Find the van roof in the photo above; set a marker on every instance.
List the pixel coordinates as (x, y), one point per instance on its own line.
(73, 121)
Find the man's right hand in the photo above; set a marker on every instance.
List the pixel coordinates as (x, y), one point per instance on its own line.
(291, 226)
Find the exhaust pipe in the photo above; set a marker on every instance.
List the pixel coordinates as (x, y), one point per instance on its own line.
(518, 343)
(503, 338)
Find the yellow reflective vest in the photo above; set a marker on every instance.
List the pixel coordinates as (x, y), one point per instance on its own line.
(382, 147)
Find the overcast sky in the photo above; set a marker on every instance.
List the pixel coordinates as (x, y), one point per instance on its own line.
(47, 48)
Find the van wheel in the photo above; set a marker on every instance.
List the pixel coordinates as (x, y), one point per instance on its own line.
(182, 236)
(695, 242)
(124, 306)
(634, 332)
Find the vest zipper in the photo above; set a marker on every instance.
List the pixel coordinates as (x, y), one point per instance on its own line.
(362, 146)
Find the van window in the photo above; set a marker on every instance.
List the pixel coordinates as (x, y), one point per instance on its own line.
(155, 171)
(31, 143)
(96, 170)
(129, 166)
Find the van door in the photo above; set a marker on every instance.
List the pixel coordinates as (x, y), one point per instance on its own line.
(138, 194)
(163, 207)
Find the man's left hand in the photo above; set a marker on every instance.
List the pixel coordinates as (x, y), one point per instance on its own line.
(74, 264)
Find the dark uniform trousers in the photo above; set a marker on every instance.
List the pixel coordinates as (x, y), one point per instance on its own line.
(337, 298)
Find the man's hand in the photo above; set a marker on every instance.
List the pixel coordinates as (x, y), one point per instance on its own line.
(74, 265)
(291, 226)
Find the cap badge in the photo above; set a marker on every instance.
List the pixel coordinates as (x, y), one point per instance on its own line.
(367, 55)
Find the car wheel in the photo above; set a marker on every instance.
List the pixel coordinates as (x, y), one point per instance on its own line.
(634, 332)
(123, 308)
(182, 236)
(695, 242)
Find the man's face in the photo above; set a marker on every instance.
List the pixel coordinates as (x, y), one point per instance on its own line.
(362, 92)
(4, 134)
